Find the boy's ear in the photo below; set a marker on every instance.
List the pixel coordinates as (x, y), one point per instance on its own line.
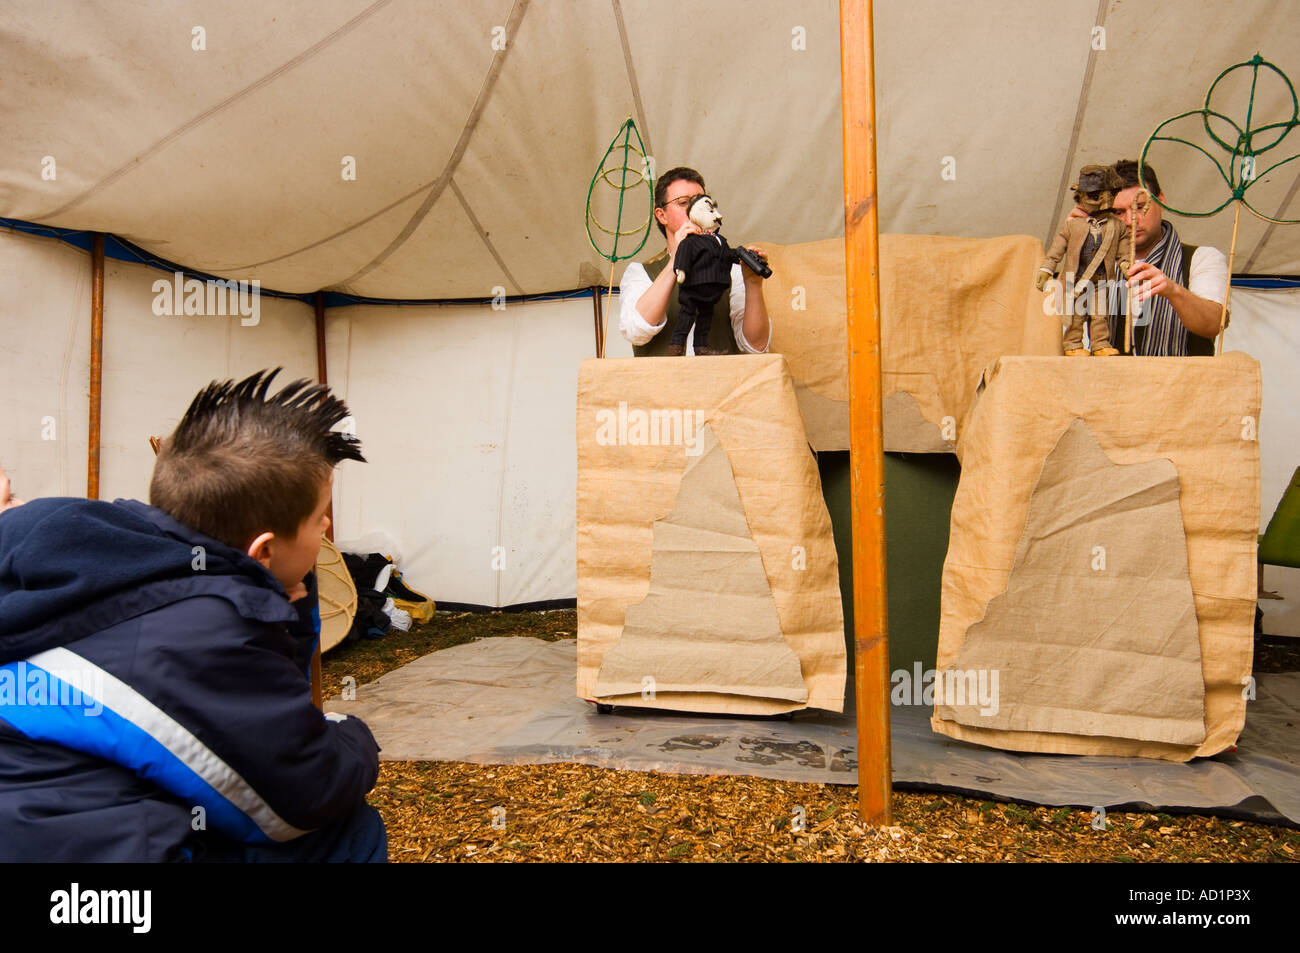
(260, 549)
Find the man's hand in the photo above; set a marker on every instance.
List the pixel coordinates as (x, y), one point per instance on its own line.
(652, 304)
(675, 239)
(1076, 212)
(298, 592)
(7, 499)
(751, 277)
(1146, 280)
(1198, 315)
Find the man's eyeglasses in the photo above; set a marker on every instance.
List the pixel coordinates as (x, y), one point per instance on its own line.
(682, 200)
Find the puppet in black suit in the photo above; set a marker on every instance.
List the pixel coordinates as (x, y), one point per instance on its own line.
(703, 265)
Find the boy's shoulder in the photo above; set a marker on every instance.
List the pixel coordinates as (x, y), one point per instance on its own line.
(70, 568)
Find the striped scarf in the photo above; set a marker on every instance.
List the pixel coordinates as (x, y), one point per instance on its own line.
(1165, 334)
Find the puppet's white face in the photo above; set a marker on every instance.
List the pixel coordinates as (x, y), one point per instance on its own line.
(704, 213)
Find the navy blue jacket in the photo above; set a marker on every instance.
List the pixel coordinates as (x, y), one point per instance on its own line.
(154, 683)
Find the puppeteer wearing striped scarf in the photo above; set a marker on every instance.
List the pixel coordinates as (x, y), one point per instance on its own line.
(1162, 333)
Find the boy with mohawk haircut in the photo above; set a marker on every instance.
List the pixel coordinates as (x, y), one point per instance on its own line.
(155, 703)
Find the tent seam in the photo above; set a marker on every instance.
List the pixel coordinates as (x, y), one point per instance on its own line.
(455, 190)
(1080, 109)
(462, 144)
(631, 77)
(211, 111)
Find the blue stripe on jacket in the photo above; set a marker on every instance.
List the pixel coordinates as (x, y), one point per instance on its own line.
(109, 736)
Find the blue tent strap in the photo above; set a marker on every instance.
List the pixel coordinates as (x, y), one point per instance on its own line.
(120, 249)
(1266, 282)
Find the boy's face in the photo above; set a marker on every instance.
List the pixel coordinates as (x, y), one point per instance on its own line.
(290, 559)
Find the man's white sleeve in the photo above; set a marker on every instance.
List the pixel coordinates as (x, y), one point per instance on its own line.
(737, 302)
(1207, 274)
(635, 283)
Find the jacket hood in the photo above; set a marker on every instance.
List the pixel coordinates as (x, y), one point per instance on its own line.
(70, 567)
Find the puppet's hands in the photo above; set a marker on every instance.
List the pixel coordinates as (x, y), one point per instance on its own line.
(7, 500)
(1146, 280)
(1040, 282)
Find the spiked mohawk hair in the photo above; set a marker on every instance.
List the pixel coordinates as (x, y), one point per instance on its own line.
(241, 463)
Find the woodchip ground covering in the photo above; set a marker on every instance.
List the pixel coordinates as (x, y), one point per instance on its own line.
(443, 811)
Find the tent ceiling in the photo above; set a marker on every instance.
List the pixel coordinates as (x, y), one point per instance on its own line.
(472, 163)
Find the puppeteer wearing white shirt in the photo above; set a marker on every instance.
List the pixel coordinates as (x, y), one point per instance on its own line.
(648, 340)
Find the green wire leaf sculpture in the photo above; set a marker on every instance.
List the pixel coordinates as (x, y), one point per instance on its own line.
(1251, 142)
(1242, 171)
(624, 179)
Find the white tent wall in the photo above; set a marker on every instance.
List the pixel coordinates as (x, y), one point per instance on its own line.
(1266, 325)
(153, 364)
(44, 361)
(466, 416)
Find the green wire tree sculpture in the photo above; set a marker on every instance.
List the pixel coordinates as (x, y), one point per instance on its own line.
(632, 175)
(1243, 163)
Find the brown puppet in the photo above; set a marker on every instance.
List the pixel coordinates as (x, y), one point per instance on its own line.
(703, 265)
(1090, 252)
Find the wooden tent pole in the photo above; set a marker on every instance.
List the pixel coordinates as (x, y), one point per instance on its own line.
(96, 363)
(866, 454)
(317, 691)
(598, 318)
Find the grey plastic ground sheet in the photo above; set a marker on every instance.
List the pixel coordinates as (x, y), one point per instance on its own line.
(511, 701)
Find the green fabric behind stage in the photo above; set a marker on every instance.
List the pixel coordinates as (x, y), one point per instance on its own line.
(1280, 544)
(919, 488)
